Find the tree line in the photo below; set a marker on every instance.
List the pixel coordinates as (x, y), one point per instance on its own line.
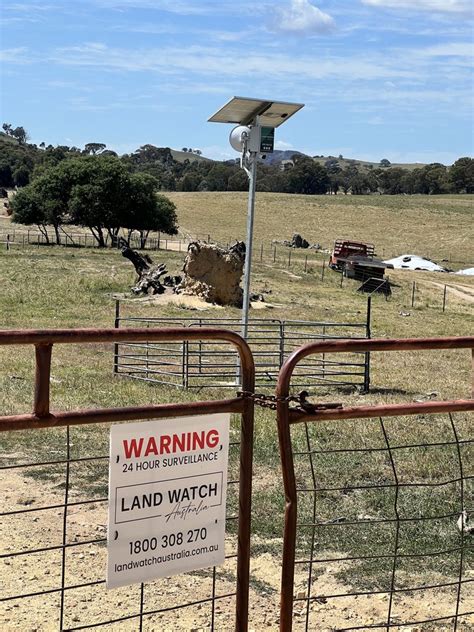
(21, 162)
(97, 192)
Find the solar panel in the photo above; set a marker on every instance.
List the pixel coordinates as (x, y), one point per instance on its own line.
(243, 110)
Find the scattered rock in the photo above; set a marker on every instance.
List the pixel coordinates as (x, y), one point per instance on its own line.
(464, 523)
(297, 241)
(25, 501)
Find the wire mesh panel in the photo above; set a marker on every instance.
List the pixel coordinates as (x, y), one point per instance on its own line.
(195, 365)
(377, 531)
(53, 511)
(327, 370)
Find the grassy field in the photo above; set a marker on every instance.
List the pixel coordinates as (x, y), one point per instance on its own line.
(440, 227)
(53, 287)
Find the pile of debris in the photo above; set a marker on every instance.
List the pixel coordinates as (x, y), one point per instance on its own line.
(297, 241)
(214, 273)
(149, 275)
(210, 272)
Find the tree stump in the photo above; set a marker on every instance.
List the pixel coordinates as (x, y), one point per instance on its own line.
(149, 275)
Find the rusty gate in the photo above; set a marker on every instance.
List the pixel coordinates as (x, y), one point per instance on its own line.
(325, 538)
(59, 581)
(311, 498)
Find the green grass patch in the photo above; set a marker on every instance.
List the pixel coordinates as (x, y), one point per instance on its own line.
(58, 287)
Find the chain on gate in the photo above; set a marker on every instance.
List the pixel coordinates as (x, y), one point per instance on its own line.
(302, 404)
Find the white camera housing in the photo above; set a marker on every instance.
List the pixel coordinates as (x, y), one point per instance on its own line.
(238, 136)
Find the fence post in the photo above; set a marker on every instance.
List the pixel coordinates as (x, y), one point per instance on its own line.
(324, 355)
(368, 334)
(413, 294)
(116, 325)
(306, 263)
(185, 365)
(147, 355)
(274, 254)
(322, 270)
(289, 257)
(282, 343)
(261, 253)
(444, 297)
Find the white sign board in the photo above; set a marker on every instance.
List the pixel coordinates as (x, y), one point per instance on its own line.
(167, 497)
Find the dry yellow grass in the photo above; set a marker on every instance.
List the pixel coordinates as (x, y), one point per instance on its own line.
(440, 227)
(58, 287)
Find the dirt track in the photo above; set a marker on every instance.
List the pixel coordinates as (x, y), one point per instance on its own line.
(464, 292)
(85, 606)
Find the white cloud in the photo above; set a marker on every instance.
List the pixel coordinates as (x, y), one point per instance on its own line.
(303, 17)
(188, 7)
(30, 6)
(423, 156)
(283, 145)
(217, 152)
(376, 120)
(175, 29)
(442, 6)
(453, 49)
(203, 60)
(15, 55)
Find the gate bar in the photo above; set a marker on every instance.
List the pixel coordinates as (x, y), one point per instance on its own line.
(286, 416)
(42, 417)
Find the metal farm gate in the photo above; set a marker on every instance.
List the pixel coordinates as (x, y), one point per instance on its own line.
(373, 528)
(378, 502)
(188, 364)
(47, 582)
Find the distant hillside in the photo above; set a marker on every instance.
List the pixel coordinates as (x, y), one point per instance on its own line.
(181, 156)
(364, 164)
(8, 139)
(279, 156)
(188, 170)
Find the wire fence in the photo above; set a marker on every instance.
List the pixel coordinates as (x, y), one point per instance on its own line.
(308, 260)
(377, 532)
(54, 548)
(452, 296)
(208, 364)
(76, 239)
(53, 512)
(377, 515)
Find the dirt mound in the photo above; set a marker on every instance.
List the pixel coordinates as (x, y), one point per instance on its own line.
(214, 273)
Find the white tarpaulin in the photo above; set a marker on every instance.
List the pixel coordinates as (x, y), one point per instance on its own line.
(414, 262)
(167, 497)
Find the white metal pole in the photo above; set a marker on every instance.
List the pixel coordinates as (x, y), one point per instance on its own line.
(248, 245)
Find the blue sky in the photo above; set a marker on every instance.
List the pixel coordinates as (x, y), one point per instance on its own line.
(380, 78)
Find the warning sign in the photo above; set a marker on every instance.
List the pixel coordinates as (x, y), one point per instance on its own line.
(167, 497)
